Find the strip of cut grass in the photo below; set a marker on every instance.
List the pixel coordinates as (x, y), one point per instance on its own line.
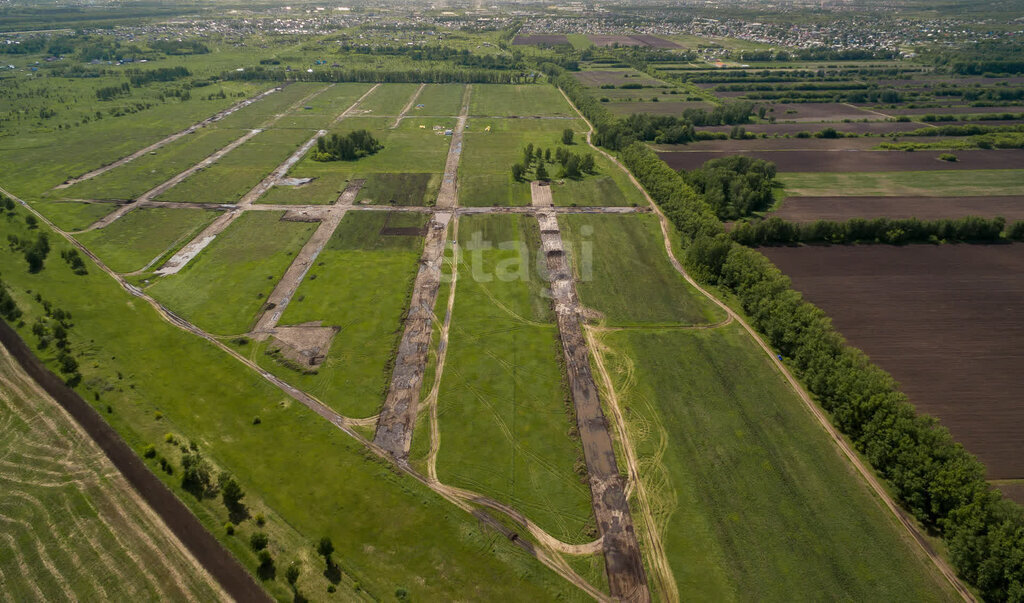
(623, 272)
(505, 417)
(361, 284)
(753, 500)
(222, 289)
(937, 183)
(142, 235)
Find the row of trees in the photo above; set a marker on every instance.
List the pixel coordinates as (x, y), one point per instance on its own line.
(347, 147)
(8, 307)
(894, 231)
(932, 476)
(571, 165)
(111, 92)
(35, 251)
(138, 77)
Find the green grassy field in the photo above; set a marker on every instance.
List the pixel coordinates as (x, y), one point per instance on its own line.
(71, 215)
(439, 100)
(497, 100)
(223, 288)
(145, 234)
(361, 284)
(934, 184)
(505, 416)
(324, 107)
(306, 477)
(138, 176)
(70, 522)
(624, 273)
(388, 99)
(239, 171)
(400, 189)
(751, 497)
(256, 114)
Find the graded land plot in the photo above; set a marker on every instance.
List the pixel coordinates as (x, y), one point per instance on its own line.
(492, 146)
(271, 106)
(41, 160)
(360, 285)
(72, 527)
(136, 177)
(954, 110)
(74, 215)
(408, 149)
(387, 99)
(919, 184)
(138, 365)
(947, 321)
(438, 100)
(659, 107)
(317, 112)
(739, 147)
(595, 78)
(524, 100)
(222, 289)
(142, 236)
(810, 209)
(400, 189)
(861, 161)
(506, 420)
(623, 273)
(811, 112)
(239, 171)
(750, 496)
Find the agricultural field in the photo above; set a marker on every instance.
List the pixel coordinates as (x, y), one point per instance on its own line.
(955, 359)
(810, 209)
(940, 183)
(71, 523)
(846, 162)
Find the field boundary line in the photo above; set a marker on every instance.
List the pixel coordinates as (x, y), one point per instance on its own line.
(408, 105)
(841, 444)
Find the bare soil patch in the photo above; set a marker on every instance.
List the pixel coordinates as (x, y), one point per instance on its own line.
(654, 41)
(948, 323)
(861, 161)
(819, 112)
(599, 78)
(954, 110)
(306, 344)
(792, 144)
(856, 127)
(810, 209)
(660, 107)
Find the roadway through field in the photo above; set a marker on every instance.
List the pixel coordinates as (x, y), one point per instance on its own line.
(398, 415)
(166, 141)
(624, 565)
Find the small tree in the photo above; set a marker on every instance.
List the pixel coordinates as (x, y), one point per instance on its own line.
(567, 135)
(325, 548)
(517, 171)
(528, 155)
(542, 173)
(259, 541)
(292, 574)
(587, 164)
(231, 493)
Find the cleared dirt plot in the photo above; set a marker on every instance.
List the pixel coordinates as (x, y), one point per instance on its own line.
(954, 110)
(738, 147)
(918, 184)
(387, 99)
(599, 77)
(239, 171)
(71, 527)
(809, 112)
(438, 100)
(660, 107)
(750, 496)
(497, 100)
(855, 127)
(223, 288)
(623, 273)
(654, 41)
(540, 40)
(810, 209)
(134, 178)
(506, 424)
(359, 286)
(947, 321)
(408, 149)
(144, 235)
(862, 161)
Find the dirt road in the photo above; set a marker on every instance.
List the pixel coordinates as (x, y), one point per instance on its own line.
(627, 579)
(166, 141)
(408, 105)
(398, 415)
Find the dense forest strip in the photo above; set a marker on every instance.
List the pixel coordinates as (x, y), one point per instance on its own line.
(168, 140)
(211, 555)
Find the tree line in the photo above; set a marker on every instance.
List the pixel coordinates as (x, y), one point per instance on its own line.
(347, 147)
(571, 165)
(894, 231)
(735, 186)
(932, 476)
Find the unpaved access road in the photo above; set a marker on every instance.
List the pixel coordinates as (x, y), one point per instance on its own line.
(166, 141)
(398, 416)
(408, 105)
(627, 579)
